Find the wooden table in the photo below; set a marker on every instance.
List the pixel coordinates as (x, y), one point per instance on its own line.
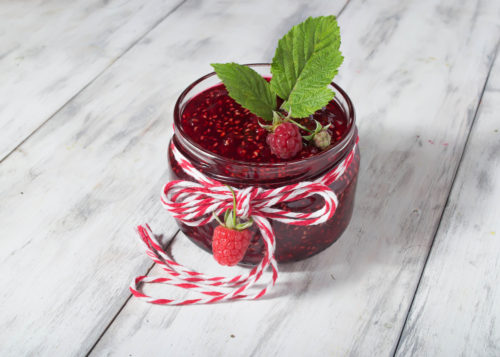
(87, 90)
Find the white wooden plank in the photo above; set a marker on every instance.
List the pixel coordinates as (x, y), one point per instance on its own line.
(457, 306)
(49, 50)
(416, 94)
(71, 194)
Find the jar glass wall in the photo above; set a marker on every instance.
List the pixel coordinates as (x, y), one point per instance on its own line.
(292, 242)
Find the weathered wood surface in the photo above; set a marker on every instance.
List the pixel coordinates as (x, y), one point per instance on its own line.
(50, 50)
(456, 311)
(416, 93)
(71, 194)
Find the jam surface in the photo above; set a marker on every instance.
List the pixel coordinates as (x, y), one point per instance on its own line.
(217, 123)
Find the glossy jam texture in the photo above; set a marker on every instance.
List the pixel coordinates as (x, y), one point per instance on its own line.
(216, 122)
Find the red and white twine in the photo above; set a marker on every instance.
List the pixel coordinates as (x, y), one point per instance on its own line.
(194, 203)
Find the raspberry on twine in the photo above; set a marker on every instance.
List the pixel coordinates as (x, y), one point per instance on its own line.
(196, 203)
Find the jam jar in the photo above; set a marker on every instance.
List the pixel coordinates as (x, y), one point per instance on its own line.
(293, 242)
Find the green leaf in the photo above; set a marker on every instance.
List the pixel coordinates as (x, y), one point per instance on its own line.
(247, 88)
(305, 62)
(243, 226)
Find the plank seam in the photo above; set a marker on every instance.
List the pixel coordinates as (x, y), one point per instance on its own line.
(343, 8)
(93, 79)
(127, 299)
(438, 226)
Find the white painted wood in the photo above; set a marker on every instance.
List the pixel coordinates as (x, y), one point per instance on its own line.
(49, 51)
(457, 307)
(71, 194)
(416, 93)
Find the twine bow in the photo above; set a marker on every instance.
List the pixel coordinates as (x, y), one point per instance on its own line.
(195, 203)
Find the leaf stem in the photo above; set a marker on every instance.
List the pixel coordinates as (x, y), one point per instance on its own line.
(299, 125)
(217, 219)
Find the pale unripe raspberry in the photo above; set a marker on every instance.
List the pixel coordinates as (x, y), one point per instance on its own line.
(322, 139)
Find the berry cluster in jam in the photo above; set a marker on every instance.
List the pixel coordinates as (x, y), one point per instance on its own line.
(216, 122)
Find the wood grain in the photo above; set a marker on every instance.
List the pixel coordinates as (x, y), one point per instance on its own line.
(71, 195)
(416, 94)
(50, 50)
(457, 306)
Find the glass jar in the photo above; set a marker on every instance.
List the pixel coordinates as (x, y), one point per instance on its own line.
(293, 243)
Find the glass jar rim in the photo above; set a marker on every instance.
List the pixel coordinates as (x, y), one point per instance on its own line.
(199, 150)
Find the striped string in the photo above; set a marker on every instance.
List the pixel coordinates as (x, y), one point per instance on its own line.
(194, 204)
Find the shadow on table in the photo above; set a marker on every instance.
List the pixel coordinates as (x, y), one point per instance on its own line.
(394, 220)
(395, 217)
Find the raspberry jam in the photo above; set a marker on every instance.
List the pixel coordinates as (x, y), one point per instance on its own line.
(218, 124)
(225, 142)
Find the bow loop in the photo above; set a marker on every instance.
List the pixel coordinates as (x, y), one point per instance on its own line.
(196, 203)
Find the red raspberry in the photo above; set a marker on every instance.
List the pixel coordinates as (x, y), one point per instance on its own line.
(229, 245)
(286, 141)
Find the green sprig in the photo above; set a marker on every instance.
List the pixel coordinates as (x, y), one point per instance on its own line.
(305, 62)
